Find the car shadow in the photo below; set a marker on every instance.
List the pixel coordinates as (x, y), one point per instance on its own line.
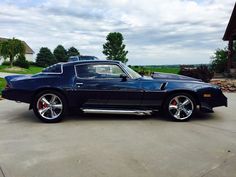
(202, 116)
(24, 116)
(28, 116)
(85, 117)
(159, 116)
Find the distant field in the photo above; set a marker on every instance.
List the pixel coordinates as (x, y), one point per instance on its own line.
(2, 84)
(147, 70)
(31, 70)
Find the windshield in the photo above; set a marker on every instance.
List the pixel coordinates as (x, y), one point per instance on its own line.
(88, 58)
(131, 72)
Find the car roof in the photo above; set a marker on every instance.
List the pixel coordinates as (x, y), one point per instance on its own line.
(91, 62)
(82, 56)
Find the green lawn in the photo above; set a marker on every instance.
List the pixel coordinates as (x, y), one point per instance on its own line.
(148, 69)
(2, 84)
(6, 69)
(17, 70)
(31, 70)
(165, 70)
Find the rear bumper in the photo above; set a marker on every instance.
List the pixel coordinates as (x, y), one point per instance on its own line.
(17, 95)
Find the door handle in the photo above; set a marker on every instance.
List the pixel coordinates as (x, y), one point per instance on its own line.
(79, 84)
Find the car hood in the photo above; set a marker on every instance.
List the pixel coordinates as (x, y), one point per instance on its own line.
(158, 75)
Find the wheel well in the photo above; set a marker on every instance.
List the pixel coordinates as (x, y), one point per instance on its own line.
(45, 89)
(192, 93)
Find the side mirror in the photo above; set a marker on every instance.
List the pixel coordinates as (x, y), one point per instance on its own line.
(123, 77)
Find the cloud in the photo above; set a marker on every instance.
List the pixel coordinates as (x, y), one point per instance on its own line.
(155, 31)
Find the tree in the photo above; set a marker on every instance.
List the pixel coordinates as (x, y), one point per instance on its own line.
(60, 54)
(234, 48)
(22, 62)
(45, 57)
(219, 60)
(72, 51)
(12, 48)
(114, 48)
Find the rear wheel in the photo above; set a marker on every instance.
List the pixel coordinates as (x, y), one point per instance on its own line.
(49, 106)
(180, 106)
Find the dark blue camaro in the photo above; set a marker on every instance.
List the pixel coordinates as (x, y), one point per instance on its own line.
(110, 87)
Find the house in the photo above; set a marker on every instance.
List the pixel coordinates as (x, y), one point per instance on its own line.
(28, 51)
(230, 36)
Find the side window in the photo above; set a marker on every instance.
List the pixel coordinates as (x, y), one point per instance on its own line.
(56, 68)
(98, 71)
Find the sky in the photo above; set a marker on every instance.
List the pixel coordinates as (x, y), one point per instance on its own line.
(156, 32)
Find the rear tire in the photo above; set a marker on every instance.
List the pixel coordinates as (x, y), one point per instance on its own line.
(49, 106)
(180, 107)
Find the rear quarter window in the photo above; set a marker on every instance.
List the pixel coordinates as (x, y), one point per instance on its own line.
(57, 69)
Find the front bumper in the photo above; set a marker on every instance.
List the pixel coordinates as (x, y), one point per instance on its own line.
(216, 100)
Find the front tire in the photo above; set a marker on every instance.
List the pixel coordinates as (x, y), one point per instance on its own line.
(180, 107)
(49, 106)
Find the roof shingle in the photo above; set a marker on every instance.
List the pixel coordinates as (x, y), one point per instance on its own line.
(231, 28)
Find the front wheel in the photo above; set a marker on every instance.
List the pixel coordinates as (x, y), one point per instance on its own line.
(180, 106)
(49, 106)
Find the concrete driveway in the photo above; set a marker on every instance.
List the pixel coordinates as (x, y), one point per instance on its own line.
(117, 146)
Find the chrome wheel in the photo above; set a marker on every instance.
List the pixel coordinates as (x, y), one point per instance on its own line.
(181, 107)
(49, 106)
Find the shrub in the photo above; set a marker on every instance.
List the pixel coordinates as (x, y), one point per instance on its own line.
(201, 72)
(21, 62)
(32, 63)
(45, 57)
(143, 71)
(60, 54)
(219, 61)
(6, 63)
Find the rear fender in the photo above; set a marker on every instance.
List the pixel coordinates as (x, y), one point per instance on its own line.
(46, 89)
(9, 78)
(12, 78)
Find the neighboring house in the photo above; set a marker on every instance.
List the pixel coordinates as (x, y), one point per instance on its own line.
(28, 51)
(230, 36)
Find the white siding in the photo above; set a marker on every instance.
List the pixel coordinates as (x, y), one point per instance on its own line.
(1, 60)
(29, 57)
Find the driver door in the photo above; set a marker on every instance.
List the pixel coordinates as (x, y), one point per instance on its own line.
(100, 85)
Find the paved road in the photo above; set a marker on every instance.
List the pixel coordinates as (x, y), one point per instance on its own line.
(117, 146)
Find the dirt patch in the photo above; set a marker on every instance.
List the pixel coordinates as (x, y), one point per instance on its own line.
(226, 85)
(14, 69)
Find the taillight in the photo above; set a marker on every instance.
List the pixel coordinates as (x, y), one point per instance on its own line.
(7, 86)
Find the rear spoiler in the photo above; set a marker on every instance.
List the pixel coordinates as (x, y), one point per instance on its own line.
(9, 78)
